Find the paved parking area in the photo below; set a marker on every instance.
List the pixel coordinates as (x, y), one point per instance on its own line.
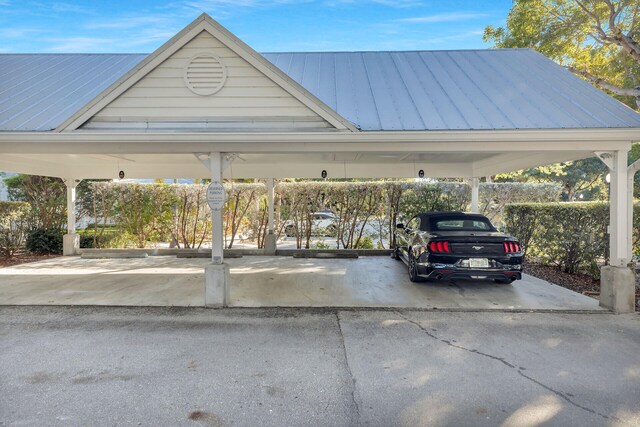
(79, 366)
(260, 281)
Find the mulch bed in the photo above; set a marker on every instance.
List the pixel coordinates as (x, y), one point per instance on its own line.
(23, 258)
(581, 283)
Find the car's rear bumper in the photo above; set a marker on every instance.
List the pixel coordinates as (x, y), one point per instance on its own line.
(509, 269)
(470, 274)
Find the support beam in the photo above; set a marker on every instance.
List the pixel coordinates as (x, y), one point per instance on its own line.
(510, 161)
(71, 241)
(617, 280)
(475, 195)
(270, 239)
(217, 275)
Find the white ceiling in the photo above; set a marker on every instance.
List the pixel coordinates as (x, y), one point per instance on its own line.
(303, 165)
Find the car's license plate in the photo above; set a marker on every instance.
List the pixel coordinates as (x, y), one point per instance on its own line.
(478, 263)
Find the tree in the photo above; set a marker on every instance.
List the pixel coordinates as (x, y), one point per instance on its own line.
(584, 177)
(598, 40)
(634, 155)
(47, 197)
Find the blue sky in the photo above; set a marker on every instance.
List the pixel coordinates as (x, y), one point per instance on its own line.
(266, 25)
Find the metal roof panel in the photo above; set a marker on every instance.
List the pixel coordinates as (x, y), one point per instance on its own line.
(377, 91)
(40, 91)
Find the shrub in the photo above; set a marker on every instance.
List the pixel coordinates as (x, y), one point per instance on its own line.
(44, 241)
(46, 196)
(322, 245)
(240, 206)
(436, 196)
(192, 216)
(98, 236)
(143, 212)
(572, 236)
(13, 225)
(495, 196)
(86, 241)
(365, 243)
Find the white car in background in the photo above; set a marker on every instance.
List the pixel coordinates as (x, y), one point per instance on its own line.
(324, 223)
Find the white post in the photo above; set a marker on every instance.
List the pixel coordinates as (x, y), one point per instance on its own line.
(631, 174)
(270, 239)
(618, 231)
(617, 280)
(71, 241)
(270, 198)
(217, 238)
(475, 195)
(217, 276)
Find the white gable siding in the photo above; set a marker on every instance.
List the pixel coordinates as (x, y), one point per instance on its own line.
(248, 98)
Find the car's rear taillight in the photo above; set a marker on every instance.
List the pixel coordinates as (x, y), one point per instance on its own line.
(439, 247)
(512, 247)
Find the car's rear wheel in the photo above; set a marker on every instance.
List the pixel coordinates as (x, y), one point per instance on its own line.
(395, 254)
(331, 231)
(413, 269)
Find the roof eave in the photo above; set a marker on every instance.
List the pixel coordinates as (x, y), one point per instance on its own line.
(611, 138)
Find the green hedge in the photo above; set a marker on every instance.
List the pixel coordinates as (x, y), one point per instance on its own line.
(44, 241)
(572, 236)
(100, 237)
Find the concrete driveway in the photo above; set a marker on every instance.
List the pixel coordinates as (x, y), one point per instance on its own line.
(260, 281)
(284, 367)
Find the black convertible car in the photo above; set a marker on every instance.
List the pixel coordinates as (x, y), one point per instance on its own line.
(456, 245)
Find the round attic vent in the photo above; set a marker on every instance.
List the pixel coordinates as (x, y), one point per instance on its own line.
(205, 74)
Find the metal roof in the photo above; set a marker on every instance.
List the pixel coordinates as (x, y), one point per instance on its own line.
(417, 90)
(466, 89)
(40, 91)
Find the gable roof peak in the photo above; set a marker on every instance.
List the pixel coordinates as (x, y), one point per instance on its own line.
(204, 22)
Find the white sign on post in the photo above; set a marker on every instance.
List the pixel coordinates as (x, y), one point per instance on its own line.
(216, 196)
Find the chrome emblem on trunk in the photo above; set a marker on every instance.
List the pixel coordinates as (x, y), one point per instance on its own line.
(477, 248)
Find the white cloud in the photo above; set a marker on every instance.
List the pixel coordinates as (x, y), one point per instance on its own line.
(424, 43)
(227, 7)
(230, 7)
(447, 17)
(130, 22)
(81, 44)
(17, 33)
(71, 8)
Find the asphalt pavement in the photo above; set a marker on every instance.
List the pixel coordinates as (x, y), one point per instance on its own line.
(97, 366)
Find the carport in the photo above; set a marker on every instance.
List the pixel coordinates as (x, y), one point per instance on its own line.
(206, 105)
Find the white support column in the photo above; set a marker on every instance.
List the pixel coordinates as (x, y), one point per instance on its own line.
(617, 282)
(270, 246)
(631, 175)
(270, 198)
(217, 238)
(618, 231)
(217, 276)
(71, 241)
(475, 195)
